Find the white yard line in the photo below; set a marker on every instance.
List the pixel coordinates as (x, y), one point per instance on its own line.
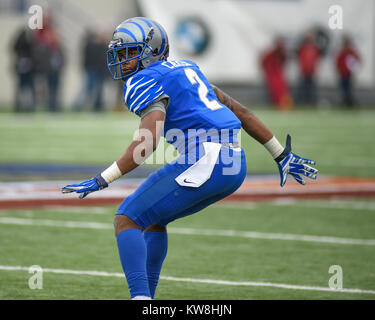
(271, 236)
(334, 204)
(191, 231)
(193, 280)
(62, 209)
(55, 223)
(235, 205)
(85, 210)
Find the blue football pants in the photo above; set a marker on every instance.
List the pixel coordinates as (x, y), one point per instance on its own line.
(160, 199)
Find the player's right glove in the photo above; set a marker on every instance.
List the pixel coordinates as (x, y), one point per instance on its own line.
(86, 187)
(290, 163)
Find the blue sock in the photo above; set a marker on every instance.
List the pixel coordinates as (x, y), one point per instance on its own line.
(157, 246)
(133, 255)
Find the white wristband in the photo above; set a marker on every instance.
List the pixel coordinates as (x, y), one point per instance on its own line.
(274, 147)
(111, 173)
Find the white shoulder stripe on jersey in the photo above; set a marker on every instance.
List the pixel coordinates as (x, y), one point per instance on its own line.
(144, 91)
(130, 86)
(159, 89)
(140, 86)
(138, 106)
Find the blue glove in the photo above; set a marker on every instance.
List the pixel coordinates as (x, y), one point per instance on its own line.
(290, 163)
(86, 187)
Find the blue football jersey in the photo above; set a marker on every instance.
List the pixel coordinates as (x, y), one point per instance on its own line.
(194, 113)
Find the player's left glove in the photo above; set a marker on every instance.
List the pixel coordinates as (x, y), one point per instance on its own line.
(86, 187)
(290, 163)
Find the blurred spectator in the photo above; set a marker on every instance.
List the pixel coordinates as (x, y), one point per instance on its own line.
(95, 67)
(49, 61)
(308, 60)
(23, 49)
(273, 61)
(347, 62)
(19, 5)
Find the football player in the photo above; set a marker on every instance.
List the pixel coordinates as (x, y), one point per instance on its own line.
(174, 99)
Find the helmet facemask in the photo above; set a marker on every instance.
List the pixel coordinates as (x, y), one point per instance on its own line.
(119, 54)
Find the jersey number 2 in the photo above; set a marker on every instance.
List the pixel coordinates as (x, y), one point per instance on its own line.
(202, 90)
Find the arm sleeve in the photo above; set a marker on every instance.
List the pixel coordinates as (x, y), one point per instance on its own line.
(160, 105)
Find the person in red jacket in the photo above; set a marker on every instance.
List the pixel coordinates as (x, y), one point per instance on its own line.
(308, 60)
(272, 62)
(347, 62)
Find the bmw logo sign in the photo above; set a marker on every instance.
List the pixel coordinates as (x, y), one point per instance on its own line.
(192, 36)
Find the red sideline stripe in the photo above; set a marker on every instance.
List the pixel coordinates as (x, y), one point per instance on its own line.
(251, 190)
(35, 203)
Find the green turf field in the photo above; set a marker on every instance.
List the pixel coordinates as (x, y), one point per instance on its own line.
(211, 245)
(243, 244)
(341, 142)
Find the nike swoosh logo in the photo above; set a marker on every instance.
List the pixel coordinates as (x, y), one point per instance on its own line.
(188, 181)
